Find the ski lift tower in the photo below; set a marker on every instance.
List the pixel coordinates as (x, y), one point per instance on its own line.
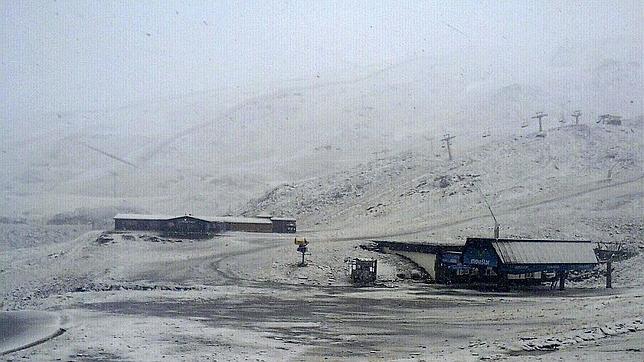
(539, 116)
(448, 142)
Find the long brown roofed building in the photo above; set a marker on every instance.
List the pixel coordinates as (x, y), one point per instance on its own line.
(202, 224)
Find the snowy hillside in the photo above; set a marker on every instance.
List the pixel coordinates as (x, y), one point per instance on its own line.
(210, 152)
(552, 186)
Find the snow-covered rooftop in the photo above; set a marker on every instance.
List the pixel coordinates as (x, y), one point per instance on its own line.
(544, 251)
(236, 219)
(231, 219)
(144, 217)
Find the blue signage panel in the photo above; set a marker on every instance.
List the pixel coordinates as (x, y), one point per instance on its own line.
(480, 256)
(451, 258)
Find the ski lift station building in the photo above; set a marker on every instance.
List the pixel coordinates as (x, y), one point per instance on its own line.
(490, 259)
(520, 256)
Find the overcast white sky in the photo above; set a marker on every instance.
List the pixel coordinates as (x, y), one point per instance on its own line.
(78, 55)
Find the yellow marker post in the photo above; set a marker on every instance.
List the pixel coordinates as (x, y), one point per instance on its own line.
(301, 247)
(301, 241)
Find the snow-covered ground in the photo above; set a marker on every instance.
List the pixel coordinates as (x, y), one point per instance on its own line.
(242, 296)
(334, 115)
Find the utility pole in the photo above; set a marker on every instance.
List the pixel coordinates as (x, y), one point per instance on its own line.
(576, 114)
(539, 116)
(448, 142)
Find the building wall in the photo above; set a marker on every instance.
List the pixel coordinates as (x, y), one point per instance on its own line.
(218, 227)
(189, 225)
(185, 225)
(195, 225)
(284, 226)
(125, 224)
(119, 224)
(250, 227)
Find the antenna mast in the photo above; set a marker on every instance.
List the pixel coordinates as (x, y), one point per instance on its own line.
(496, 223)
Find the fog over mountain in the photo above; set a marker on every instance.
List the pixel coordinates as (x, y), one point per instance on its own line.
(216, 103)
(418, 208)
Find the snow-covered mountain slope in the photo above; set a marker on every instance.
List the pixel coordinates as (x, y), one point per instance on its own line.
(576, 182)
(211, 151)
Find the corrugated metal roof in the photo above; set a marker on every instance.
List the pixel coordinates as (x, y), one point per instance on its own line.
(143, 217)
(231, 219)
(240, 220)
(283, 219)
(544, 251)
